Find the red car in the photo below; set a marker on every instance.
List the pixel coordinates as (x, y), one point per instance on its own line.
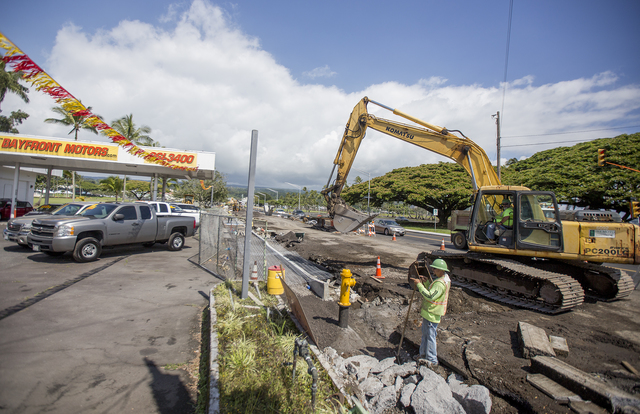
(22, 208)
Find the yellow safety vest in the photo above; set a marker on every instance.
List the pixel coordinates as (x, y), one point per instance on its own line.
(434, 308)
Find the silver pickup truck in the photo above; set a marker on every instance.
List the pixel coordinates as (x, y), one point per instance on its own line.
(107, 224)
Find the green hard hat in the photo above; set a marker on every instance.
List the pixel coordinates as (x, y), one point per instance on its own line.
(440, 264)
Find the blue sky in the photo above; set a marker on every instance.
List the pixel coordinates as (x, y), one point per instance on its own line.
(294, 71)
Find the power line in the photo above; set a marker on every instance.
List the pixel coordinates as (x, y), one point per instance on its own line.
(552, 142)
(570, 132)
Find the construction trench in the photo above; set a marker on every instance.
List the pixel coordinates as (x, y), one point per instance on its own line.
(478, 339)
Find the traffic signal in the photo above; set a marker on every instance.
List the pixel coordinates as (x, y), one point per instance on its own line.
(634, 207)
(600, 158)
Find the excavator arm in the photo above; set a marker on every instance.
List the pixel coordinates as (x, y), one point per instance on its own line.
(428, 136)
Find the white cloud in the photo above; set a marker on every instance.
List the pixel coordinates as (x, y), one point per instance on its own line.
(202, 84)
(322, 72)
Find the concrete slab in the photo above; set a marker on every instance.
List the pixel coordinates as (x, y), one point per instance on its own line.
(583, 384)
(552, 388)
(534, 341)
(110, 336)
(559, 345)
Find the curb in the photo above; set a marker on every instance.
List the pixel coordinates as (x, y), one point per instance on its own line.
(214, 374)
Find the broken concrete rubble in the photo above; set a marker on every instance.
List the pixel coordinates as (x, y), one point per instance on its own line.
(385, 384)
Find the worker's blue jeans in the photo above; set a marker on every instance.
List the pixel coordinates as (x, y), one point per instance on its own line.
(491, 230)
(428, 344)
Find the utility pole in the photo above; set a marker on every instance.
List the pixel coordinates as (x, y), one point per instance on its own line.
(497, 117)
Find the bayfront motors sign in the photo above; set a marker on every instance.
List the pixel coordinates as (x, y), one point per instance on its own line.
(58, 148)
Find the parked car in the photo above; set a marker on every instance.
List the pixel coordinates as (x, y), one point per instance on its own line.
(44, 209)
(186, 210)
(106, 225)
(22, 208)
(18, 228)
(401, 218)
(298, 213)
(388, 226)
(280, 212)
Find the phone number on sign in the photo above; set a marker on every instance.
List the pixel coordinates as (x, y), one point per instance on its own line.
(179, 158)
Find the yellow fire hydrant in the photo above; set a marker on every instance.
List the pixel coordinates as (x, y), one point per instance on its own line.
(348, 281)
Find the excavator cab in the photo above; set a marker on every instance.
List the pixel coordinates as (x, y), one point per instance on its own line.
(532, 221)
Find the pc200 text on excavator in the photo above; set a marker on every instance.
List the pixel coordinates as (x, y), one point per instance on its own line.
(538, 262)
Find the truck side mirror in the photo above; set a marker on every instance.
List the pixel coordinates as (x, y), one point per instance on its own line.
(118, 217)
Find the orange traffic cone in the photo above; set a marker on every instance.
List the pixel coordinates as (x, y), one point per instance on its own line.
(379, 270)
(394, 237)
(442, 245)
(254, 272)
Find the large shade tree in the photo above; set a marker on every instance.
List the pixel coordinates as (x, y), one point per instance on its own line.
(444, 186)
(573, 174)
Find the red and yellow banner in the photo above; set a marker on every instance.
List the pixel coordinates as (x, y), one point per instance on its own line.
(33, 74)
(58, 148)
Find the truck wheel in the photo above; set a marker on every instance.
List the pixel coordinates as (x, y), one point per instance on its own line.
(458, 240)
(176, 241)
(87, 250)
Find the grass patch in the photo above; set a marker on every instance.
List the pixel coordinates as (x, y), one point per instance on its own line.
(255, 355)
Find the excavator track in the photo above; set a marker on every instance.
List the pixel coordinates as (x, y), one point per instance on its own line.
(598, 282)
(510, 281)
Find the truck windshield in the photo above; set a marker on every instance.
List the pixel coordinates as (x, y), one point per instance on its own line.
(99, 210)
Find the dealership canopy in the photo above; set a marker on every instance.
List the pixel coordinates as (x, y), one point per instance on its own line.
(101, 157)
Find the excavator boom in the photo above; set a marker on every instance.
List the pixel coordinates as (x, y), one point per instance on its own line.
(425, 135)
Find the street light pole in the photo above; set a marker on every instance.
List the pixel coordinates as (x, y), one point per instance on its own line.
(369, 189)
(265, 198)
(274, 192)
(299, 188)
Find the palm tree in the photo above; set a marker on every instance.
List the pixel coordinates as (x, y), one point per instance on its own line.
(9, 82)
(77, 122)
(113, 185)
(127, 128)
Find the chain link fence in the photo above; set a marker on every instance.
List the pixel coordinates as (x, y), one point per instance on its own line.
(221, 250)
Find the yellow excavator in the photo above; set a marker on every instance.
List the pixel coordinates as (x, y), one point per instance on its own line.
(539, 261)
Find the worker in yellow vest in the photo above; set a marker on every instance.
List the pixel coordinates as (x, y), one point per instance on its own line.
(434, 306)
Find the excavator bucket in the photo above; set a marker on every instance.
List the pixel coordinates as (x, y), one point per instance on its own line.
(348, 219)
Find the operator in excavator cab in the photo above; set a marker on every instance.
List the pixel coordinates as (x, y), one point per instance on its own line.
(503, 221)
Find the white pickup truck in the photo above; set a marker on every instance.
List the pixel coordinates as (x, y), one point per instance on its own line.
(108, 224)
(171, 209)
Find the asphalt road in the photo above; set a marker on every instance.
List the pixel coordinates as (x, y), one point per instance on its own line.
(110, 336)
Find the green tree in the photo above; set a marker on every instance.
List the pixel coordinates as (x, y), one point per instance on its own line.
(112, 185)
(128, 129)
(76, 122)
(572, 173)
(139, 189)
(10, 82)
(201, 196)
(444, 186)
(8, 123)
